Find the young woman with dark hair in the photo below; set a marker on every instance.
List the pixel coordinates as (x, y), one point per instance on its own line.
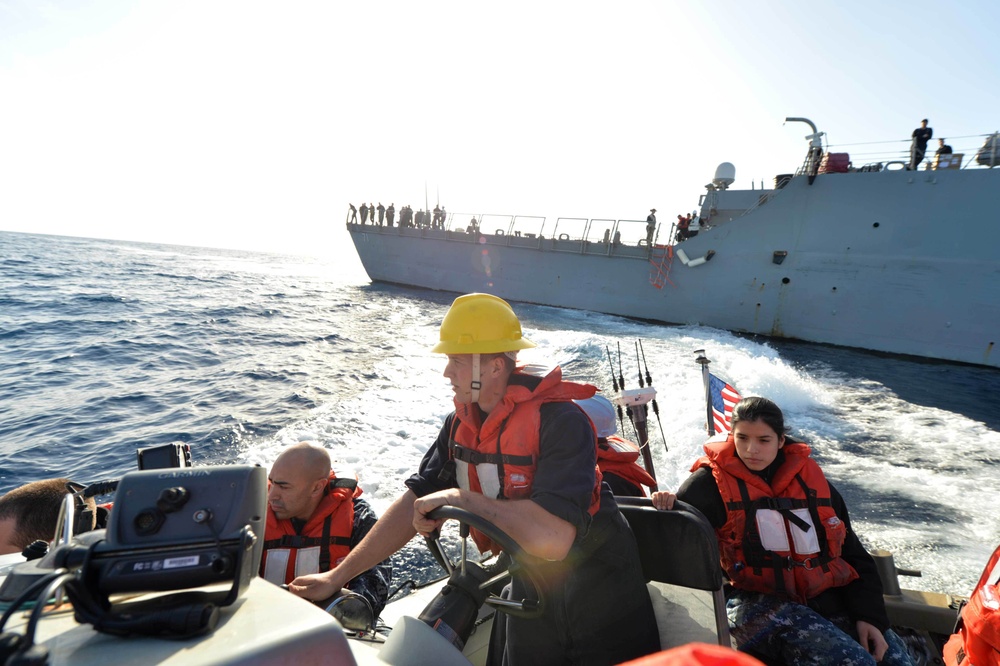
(803, 588)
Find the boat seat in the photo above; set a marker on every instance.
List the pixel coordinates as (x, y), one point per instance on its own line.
(679, 547)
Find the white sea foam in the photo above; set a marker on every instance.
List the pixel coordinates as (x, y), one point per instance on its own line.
(871, 443)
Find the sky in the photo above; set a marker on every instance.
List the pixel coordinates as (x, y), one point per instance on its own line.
(252, 125)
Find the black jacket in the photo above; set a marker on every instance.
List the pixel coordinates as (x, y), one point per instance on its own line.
(860, 599)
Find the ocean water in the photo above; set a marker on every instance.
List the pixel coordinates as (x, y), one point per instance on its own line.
(109, 346)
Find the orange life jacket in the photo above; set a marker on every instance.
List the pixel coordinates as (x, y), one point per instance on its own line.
(498, 456)
(977, 641)
(770, 542)
(323, 543)
(620, 457)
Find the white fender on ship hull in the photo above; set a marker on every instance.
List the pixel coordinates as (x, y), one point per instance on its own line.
(694, 262)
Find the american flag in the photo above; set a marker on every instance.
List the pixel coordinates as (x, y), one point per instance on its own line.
(724, 398)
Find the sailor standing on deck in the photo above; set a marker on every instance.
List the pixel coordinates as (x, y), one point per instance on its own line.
(650, 226)
(517, 452)
(918, 147)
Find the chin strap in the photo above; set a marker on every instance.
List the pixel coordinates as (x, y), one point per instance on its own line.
(476, 383)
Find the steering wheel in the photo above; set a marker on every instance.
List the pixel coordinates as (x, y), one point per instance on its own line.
(525, 608)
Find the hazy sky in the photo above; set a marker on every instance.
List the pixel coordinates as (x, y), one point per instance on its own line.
(247, 124)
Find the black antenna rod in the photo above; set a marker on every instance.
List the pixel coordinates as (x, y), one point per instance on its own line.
(638, 368)
(621, 377)
(614, 382)
(621, 381)
(649, 380)
(656, 407)
(611, 363)
(645, 411)
(631, 419)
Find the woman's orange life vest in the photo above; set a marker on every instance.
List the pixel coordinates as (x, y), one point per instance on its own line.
(325, 539)
(782, 538)
(498, 456)
(620, 458)
(977, 641)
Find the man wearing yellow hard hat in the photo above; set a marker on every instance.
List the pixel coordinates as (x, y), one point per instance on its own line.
(518, 452)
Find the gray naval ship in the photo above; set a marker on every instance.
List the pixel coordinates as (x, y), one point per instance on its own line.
(876, 256)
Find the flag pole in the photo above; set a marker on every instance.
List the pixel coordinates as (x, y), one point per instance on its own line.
(703, 361)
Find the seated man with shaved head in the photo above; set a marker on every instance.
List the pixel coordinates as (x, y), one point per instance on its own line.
(314, 519)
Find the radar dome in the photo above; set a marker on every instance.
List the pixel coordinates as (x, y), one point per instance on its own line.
(725, 175)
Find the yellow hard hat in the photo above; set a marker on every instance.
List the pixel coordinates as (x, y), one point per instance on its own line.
(480, 324)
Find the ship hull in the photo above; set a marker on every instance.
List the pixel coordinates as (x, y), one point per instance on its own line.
(897, 261)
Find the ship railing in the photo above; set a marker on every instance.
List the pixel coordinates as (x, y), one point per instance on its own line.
(765, 196)
(588, 232)
(607, 236)
(612, 237)
(516, 226)
(968, 152)
(601, 236)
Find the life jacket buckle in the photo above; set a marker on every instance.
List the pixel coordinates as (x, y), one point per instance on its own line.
(806, 564)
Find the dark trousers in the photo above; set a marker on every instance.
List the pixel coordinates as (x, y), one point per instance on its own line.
(598, 608)
(785, 632)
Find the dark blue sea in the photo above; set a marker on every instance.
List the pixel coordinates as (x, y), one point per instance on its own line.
(109, 346)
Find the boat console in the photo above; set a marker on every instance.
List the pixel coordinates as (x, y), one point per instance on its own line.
(173, 580)
(266, 625)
